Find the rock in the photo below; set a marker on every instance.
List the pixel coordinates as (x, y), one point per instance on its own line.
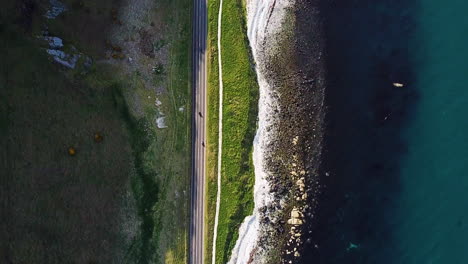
(280, 229)
(63, 58)
(300, 182)
(295, 140)
(56, 8)
(98, 137)
(161, 122)
(54, 42)
(71, 151)
(295, 221)
(295, 213)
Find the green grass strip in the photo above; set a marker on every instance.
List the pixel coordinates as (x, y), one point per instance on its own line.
(239, 126)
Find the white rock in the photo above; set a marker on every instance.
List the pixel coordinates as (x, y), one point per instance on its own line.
(161, 122)
(295, 221)
(63, 58)
(295, 140)
(295, 213)
(55, 9)
(54, 42)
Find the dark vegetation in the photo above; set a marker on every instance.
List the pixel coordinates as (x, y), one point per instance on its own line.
(56, 207)
(144, 185)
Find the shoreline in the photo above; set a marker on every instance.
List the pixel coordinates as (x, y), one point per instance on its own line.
(287, 148)
(300, 73)
(247, 249)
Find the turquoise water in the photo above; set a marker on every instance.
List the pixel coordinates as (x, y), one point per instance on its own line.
(397, 158)
(431, 220)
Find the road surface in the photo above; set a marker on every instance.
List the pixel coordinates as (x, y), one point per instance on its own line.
(200, 29)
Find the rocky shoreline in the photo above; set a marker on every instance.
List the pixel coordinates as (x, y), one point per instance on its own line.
(295, 72)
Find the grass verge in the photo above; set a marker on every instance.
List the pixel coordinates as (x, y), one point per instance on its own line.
(168, 151)
(239, 125)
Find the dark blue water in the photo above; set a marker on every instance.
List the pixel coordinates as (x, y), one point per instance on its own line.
(397, 157)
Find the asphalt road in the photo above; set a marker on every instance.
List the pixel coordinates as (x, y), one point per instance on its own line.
(200, 28)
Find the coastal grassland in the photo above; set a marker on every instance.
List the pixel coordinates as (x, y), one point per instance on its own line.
(174, 148)
(133, 186)
(168, 153)
(239, 125)
(58, 207)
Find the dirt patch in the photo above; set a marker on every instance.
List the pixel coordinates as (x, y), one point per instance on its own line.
(86, 24)
(146, 43)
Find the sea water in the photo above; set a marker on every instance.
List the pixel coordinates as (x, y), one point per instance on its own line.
(431, 221)
(396, 157)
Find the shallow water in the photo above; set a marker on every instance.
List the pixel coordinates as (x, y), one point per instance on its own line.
(397, 157)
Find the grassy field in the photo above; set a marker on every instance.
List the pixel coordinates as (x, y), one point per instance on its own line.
(171, 151)
(239, 126)
(162, 160)
(59, 207)
(124, 199)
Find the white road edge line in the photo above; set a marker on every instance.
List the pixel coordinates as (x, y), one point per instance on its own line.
(220, 133)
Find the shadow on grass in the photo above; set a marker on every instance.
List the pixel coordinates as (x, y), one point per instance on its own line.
(144, 186)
